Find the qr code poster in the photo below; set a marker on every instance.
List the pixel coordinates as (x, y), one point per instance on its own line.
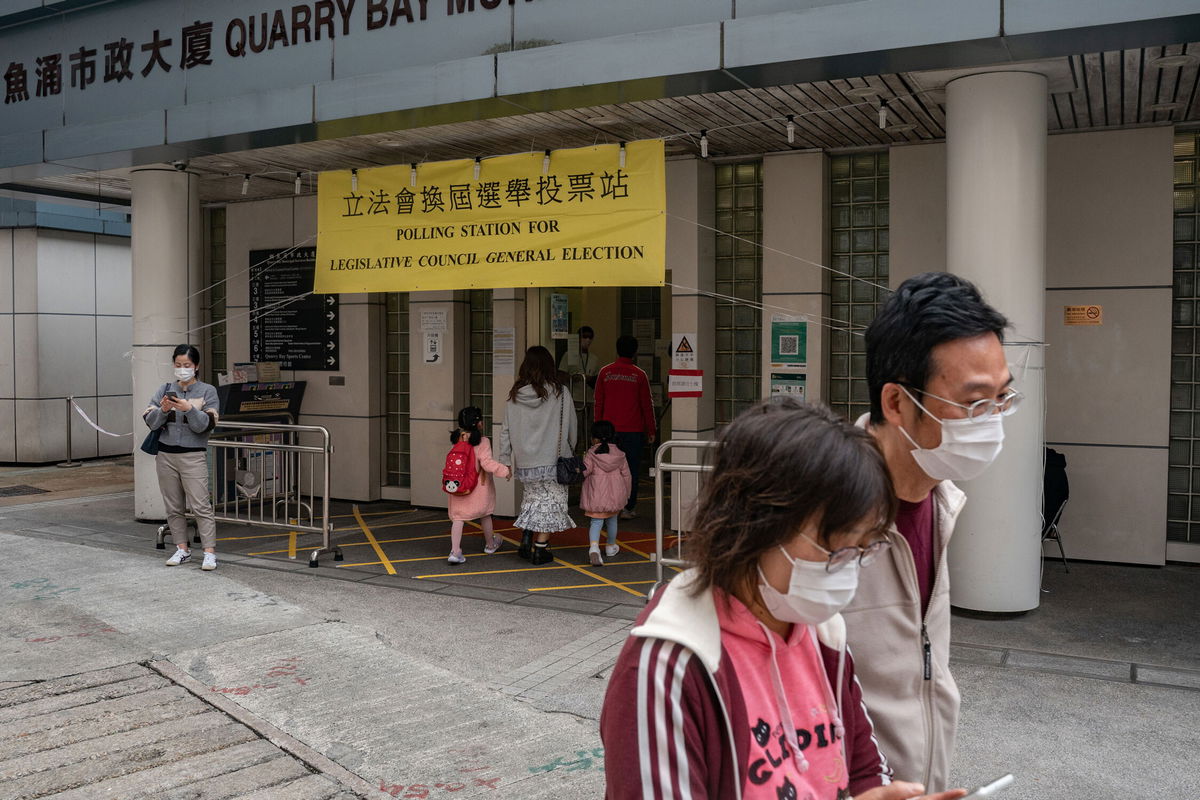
(789, 342)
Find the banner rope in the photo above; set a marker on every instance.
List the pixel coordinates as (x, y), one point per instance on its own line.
(88, 420)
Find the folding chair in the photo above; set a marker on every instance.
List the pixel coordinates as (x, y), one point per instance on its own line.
(1055, 491)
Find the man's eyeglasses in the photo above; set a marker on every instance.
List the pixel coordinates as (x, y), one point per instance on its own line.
(846, 555)
(980, 410)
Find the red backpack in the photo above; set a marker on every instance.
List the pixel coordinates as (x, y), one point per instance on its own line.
(460, 475)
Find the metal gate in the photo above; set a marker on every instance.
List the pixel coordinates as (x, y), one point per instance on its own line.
(271, 475)
(661, 466)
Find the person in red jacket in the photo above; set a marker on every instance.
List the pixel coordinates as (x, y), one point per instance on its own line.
(623, 398)
(736, 682)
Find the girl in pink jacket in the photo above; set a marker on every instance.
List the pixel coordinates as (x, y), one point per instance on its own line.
(606, 486)
(481, 502)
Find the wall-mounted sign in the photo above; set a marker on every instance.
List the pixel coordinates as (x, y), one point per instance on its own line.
(301, 333)
(789, 342)
(788, 383)
(683, 351)
(580, 217)
(685, 383)
(560, 316)
(432, 351)
(1083, 315)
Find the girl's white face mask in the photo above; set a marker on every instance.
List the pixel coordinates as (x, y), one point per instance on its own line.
(967, 449)
(184, 373)
(814, 595)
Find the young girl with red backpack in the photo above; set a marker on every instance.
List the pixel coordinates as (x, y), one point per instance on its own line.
(465, 479)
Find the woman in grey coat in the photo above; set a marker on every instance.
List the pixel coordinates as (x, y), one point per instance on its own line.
(186, 411)
(539, 426)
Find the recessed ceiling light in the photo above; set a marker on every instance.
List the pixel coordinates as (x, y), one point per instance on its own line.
(902, 128)
(1166, 106)
(606, 119)
(224, 164)
(863, 92)
(392, 143)
(1180, 60)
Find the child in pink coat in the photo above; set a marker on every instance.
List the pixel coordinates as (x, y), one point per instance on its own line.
(606, 486)
(481, 502)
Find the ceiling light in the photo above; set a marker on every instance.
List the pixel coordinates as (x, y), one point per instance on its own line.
(862, 92)
(1166, 106)
(903, 127)
(1180, 60)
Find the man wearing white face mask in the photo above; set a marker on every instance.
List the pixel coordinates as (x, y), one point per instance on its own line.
(940, 388)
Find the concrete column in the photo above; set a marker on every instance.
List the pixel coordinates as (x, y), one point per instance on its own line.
(996, 237)
(167, 283)
(508, 315)
(691, 259)
(438, 388)
(796, 223)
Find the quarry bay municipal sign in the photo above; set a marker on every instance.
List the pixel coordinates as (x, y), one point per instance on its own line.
(591, 216)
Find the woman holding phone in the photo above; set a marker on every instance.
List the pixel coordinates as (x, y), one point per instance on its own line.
(186, 412)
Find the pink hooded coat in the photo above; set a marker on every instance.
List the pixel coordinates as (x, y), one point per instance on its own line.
(481, 502)
(607, 481)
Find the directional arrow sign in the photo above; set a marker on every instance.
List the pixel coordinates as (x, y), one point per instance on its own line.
(290, 324)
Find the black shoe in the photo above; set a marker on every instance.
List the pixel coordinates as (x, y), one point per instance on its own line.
(525, 551)
(541, 555)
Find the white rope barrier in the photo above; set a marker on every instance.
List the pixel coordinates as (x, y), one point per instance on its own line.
(88, 420)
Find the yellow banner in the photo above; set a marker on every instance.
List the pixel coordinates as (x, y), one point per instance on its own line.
(583, 219)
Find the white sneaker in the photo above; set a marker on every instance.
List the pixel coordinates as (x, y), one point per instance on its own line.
(594, 557)
(180, 556)
(210, 561)
(456, 558)
(612, 550)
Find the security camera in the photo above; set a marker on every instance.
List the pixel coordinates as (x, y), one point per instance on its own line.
(179, 165)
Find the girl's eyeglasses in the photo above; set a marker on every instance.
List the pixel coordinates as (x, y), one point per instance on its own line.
(846, 555)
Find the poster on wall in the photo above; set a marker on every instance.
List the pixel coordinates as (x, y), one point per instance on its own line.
(788, 383)
(789, 342)
(560, 325)
(301, 333)
(588, 216)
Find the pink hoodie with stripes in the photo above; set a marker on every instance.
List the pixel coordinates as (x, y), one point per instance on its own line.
(677, 718)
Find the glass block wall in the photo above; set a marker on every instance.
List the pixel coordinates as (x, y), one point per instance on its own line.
(858, 196)
(1183, 476)
(643, 302)
(481, 352)
(738, 275)
(214, 298)
(398, 449)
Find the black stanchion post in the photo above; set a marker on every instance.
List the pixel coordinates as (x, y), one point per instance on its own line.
(69, 462)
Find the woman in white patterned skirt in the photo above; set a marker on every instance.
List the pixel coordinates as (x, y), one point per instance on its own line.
(539, 426)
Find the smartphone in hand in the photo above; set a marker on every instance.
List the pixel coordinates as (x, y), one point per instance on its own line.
(171, 395)
(992, 788)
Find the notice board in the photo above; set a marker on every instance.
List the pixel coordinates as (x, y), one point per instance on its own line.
(298, 331)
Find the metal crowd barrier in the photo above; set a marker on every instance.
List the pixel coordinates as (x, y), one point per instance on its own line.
(661, 466)
(278, 483)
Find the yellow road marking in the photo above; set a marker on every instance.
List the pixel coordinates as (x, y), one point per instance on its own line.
(399, 524)
(374, 513)
(522, 569)
(388, 561)
(645, 554)
(291, 544)
(371, 537)
(596, 577)
(586, 586)
(367, 544)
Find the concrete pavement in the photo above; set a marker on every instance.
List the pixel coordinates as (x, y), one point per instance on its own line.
(1094, 695)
